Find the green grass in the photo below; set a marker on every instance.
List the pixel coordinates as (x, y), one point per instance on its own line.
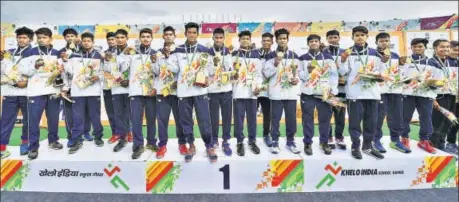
(15, 139)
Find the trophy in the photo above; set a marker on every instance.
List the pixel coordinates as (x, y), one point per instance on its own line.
(201, 79)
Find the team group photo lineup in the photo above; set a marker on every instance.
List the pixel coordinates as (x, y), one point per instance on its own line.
(222, 89)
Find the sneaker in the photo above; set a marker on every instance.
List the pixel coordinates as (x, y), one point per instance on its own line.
(70, 142)
(183, 149)
(130, 138)
(378, 146)
(75, 147)
(356, 153)
(152, 147)
(292, 147)
(275, 148)
(212, 155)
(253, 146)
(240, 149)
(99, 142)
(308, 149)
(191, 153)
(161, 152)
(88, 137)
(24, 149)
(426, 145)
(138, 151)
(406, 142)
(227, 149)
(373, 152)
(325, 148)
(55, 145)
(216, 145)
(33, 154)
(267, 140)
(4, 154)
(331, 143)
(451, 148)
(121, 144)
(397, 145)
(113, 139)
(340, 144)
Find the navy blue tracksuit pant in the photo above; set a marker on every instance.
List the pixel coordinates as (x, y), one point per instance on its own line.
(164, 106)
(68, 112)
(201, 107)
(424, 107)
(108, 101)
(442, 127)
(241, 108)
(362, 110)
(83, 106)
(392, 106)
(340, 120)
(289, 108)
(10, 109)
(139, 105)
(36, 106)
(266, 111)
(223, 101)
(122, 110)
(308, 104)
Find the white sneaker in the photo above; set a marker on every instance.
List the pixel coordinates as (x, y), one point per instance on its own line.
(275, 149)
(293, 149)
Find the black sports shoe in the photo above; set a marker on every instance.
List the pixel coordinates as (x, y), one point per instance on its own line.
(325, 148)
(373, 152)
(331, 143)
(33, 154)
(308, 149)
(99, 142)
(75, 147)
(138, 150)
(253, 146)
(356, 153)
(121, 144)
(55, 145)
(240, 149)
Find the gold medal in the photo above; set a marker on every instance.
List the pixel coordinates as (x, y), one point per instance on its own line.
(314, 63)
(387, 52)
(72, 46)
(408, 60)
(225, 78)
(280, 55)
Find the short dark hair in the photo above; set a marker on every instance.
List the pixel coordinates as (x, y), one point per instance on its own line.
(437, 42)
(110, 34)
(45, 31)
(191, 25)
(332, 33)
(382, 35)
(87, 35)
(313, 36)
(267, 34)
(359, 29)
(169, 29)
(219, 31)
(278, 32)
(122, 32)
(70, 31)
(416, 41)
(24, 31)
(245, 33)
(453, 44)
(146, 30)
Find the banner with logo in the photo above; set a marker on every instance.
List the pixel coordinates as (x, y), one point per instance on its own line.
(325, 26)
(103, 29)
(7, 29)
(434, 22)
(452, 22)
(225, 176)
(430, 35)
(291, 26)
(79, 28)
(73, 176)
(256, 27)
(371, 174)
(156, 28)
(208, 28)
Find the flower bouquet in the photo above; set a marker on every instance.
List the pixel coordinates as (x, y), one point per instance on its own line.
(83, 80)
(14, 78)
(449, 115)
(328, 97)
(53, 68)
